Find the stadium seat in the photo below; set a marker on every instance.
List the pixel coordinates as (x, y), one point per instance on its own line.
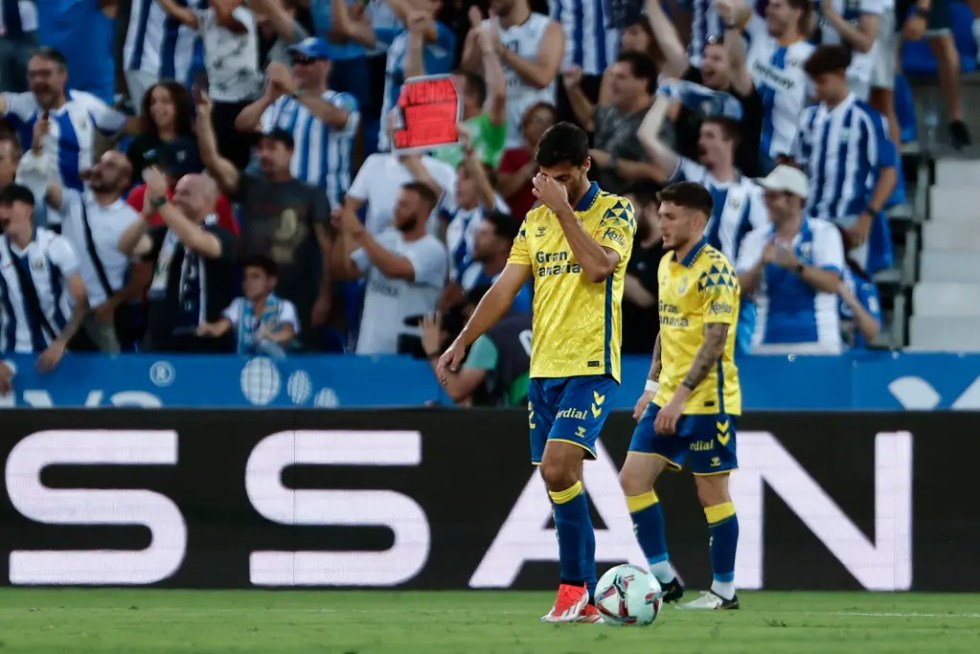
(952, 234)
(948, 299)
(953, 203)
(950, 266)
(957, 172)
(917, 57)
(944, 334)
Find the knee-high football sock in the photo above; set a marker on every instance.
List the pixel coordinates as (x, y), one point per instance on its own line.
(588, 554)
(723, 524)
(648, 524)
(574, 527)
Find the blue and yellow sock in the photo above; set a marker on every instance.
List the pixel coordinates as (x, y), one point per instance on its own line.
(723, 524)
(648, 524)
(588, 555)
(574, 528)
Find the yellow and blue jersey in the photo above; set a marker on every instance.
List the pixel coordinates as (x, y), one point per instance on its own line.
(577, 323)
(699, 290)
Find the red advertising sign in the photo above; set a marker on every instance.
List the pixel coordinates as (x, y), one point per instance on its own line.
(428, 110)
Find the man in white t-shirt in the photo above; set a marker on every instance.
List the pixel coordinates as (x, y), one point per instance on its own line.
(379, 183)
(405, 268)
(793, 269)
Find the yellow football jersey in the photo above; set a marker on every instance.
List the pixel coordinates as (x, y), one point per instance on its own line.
(699, 290)
(577, 324)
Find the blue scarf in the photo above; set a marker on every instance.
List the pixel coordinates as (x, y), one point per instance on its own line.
(248, 326)
(701, 99)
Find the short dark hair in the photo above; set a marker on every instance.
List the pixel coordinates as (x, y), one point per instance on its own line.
(423, 191)
(504, 225)
(562, 143)
(641, 66)
(645, 192)
(729, 128)
(12, 193)
(475, 84)
(690, 195)
(281, 135)
(267, 265)
(52, 55)
(828, 59)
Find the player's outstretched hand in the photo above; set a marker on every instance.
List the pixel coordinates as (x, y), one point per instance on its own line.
(450, 361)
(642, 404)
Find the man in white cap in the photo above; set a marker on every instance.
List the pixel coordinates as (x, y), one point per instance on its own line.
(793, 268)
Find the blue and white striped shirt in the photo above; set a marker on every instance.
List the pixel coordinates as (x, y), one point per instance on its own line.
(71, 138)
(844, 150)
(322, 154)
(705, 23)
(792, 315)
(783, 84)
(739, 207)
(49, 261)
(157, 43)
(591, 42)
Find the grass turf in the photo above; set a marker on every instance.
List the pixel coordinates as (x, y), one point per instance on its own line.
(348, 622)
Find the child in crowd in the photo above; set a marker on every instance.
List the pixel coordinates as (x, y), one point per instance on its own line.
(264, 323)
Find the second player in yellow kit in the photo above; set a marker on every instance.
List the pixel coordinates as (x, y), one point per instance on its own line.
(692, 399)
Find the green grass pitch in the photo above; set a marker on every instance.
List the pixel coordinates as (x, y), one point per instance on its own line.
(348, 622)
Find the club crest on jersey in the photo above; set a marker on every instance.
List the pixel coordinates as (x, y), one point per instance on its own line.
(682, 287)
(37, 264)
(541, 231)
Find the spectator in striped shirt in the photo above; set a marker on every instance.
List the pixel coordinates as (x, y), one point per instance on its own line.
(73, 117)
(591, 45)
(157, 47)
(848, 158)
(322, 122)
(42, 296)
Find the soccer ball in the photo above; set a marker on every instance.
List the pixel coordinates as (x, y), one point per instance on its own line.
(628, 595)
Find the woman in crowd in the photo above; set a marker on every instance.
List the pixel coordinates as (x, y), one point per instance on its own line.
(166, 132)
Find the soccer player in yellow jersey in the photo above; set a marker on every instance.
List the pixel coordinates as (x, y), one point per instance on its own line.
(575, 247)
(688, 410)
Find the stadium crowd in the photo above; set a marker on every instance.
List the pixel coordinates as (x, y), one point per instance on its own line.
(224, 180)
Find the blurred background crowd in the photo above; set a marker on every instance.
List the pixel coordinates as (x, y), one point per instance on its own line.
(195, 176)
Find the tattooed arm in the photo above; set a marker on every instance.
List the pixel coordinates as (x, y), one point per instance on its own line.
(715, 335)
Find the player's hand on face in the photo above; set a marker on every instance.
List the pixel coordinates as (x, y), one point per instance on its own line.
(450, 361)
(667, 417)
(642, 404)
(552, 194)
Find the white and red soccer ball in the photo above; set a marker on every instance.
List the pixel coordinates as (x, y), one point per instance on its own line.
(628, 595)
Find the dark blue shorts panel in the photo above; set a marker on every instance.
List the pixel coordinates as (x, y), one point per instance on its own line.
(568, 409)
(706, 443)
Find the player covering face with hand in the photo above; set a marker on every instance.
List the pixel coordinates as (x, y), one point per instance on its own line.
(575, 246)
(688, 409)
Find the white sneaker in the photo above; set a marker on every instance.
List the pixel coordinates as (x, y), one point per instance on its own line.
(710, 602)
